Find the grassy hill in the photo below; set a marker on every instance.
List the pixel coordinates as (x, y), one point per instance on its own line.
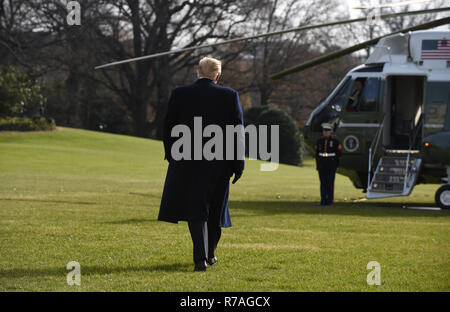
(91, 197)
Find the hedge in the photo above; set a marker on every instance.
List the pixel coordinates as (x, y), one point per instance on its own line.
(26, 124)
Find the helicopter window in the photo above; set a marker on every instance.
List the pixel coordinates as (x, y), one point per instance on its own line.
(339, 99)
(436, 107)
(328, 111)
(355, 96)
(369, 97)
(364, 96)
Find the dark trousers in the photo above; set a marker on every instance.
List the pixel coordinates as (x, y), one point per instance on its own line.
(327, 186)
(206, 234)
(205, 237)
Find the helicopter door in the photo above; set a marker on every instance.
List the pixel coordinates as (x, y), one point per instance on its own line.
(404, 107)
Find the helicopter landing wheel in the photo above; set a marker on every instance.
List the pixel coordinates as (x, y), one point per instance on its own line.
(443, 196)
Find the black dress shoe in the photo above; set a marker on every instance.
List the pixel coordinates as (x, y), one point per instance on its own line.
(200, 266)
(212, 260)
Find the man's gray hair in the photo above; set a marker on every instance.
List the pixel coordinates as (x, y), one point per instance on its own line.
(209, 67)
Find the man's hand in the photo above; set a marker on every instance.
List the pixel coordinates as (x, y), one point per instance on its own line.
(237, 176)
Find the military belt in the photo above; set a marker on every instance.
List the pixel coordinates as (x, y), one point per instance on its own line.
(327, 154)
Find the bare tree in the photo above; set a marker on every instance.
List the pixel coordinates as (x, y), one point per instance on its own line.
(15, 31)
(114, 30)
(134, 28)
(374, 27)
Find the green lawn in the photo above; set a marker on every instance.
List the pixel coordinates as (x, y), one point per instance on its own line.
(93, 198)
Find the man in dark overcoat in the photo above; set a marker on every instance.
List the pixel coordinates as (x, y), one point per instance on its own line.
(196, 189)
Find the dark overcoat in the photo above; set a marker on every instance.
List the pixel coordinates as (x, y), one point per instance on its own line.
(193, 188)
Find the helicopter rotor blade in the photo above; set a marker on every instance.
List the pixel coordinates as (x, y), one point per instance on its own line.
(303, 28)
(359, 46)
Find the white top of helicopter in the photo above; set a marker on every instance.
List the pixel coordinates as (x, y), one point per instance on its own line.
(422, 51)
(416, 53)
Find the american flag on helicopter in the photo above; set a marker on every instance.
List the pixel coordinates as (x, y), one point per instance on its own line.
(436, 49)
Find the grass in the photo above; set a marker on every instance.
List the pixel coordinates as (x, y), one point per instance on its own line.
(94, 197)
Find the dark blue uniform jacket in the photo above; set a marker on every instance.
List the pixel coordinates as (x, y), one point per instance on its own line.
(328, 153)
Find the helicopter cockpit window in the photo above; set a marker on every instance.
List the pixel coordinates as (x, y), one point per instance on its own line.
(355, 96)
(364, 95)
(369, 97)
(329, 110)
(337, 102)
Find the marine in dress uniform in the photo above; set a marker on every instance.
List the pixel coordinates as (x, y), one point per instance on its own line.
(328, 155)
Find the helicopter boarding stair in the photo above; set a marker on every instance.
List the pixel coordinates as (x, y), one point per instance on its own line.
(397, 170)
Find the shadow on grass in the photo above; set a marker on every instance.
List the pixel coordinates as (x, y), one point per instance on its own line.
(50, 201)
(132, 221)
(366, 209)
(146, 194)
(93, 270)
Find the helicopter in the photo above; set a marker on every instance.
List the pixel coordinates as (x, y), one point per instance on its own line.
(392, 113)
